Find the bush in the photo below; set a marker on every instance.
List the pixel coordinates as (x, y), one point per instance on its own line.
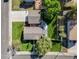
(49, 15)
(25, 47)
(43, 46)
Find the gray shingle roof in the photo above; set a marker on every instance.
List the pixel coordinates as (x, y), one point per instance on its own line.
(33, 17)
(33, 20)
(33, 33)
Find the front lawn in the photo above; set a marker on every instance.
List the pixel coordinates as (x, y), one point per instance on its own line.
(17, 29)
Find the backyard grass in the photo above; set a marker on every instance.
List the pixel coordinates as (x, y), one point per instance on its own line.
(17, 28)
(52, 32)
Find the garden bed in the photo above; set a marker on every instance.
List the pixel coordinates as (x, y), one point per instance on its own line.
(56, 46)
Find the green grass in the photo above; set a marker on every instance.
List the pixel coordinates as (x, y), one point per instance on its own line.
(17, 28)
(56, 47)
(52, 31)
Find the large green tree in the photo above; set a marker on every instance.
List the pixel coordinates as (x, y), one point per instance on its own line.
(52, 7)
(43, 46)
(49, 14)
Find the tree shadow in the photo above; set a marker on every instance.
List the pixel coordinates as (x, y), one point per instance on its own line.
(26, 5)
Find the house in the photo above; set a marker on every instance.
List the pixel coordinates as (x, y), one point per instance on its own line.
(33, 33)
(72, 36)
(72, 28)
(32, 29)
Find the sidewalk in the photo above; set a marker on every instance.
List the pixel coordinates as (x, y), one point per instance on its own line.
(49, 53)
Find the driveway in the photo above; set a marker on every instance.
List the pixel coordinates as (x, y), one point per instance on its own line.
(19, 16)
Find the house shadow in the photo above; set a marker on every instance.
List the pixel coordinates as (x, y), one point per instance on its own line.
(26, 5)
(68, 43)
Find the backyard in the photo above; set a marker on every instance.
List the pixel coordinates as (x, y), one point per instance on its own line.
(49, 14)
(17, 29)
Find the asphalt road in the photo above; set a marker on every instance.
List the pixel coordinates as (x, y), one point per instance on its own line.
(45, 57)
(4, 30)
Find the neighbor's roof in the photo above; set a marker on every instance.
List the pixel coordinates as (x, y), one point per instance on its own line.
(32, 33)
(71, 3)
(33, 19)
(73, 33)
(34, 13)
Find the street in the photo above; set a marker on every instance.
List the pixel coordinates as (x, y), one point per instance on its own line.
(45, 57)
(4, 30)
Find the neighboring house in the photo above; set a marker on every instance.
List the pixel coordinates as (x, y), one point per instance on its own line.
(72, 37)
(37, 3)
(72, 32)
(72, 28)
(32, 29)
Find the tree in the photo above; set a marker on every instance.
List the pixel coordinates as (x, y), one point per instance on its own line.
(49, 15)
(43, 46)
(52, 8)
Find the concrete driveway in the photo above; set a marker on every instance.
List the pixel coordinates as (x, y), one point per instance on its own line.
(19, 16)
